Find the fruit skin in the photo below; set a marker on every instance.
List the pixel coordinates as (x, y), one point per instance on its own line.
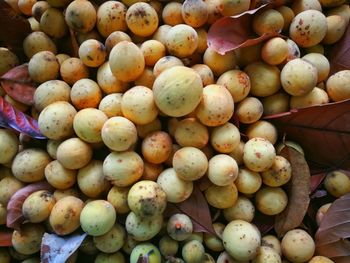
(297, 246)
(143, 228)
(80, 16)
(28, 240)
(8, 145)
(123, 168)
(298, 77)
(126, 61)
(168, 246)
(267, 254)
(241, 240)
(64, 217)
(37, 206)
(179, 227)
(271, 200)
(193, 252)
(112, 241)
(258, 154)
(147, 199)
(145, 249)
(97, 217)
(177, 91)
(176, 189)
(29, 165)
(337, 85)
(308, 28)
(337, 183)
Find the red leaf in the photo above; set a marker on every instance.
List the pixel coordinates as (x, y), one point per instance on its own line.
(5, 238)
(232, 32)
(13, 29)
(316, 180)
(298, 192)
(56, 249)
(11, 117)
(323, 132)
(197, 209)
(340, 55)
(331, 237)
(18, 84)
(14, 206)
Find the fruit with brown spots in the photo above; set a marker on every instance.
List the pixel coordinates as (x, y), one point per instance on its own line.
(64, 217)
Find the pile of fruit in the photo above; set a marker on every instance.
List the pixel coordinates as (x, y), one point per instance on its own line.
(135, 109)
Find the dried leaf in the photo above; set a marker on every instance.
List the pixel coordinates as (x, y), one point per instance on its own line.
(298, 192)
(14, 207)
(18, 84)
(197, 209)
(5, 238)
(340, 55)
(323, 131)
(13, 29)
(331, 237)
(11, 117)
(56, 249)
(231, 32)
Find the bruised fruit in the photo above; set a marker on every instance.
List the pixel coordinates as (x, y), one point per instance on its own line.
(193, 252)
(148, 250)
(147, 199)
(143, 228)
(111, 241)
(27, 241)
(308, 28)
(37, 206)
(271, 200)
(64, 217)
(97, 217)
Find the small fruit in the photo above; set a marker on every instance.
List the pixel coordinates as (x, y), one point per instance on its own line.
(97, 217)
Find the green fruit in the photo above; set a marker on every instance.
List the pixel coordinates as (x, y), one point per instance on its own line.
(145, 250)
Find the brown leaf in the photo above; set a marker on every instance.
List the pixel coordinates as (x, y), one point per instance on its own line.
(232, 32)
(13, 29)
(14, 207)
(323, 131)
(331, 237)
(340, 54)
(5, 238)
(18, 84)
(263, 222)
(298, 193)
(55, 249)
(196, 207)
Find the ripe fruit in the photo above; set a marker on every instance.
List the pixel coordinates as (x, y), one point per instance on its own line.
(241, 240)
(97, 217)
